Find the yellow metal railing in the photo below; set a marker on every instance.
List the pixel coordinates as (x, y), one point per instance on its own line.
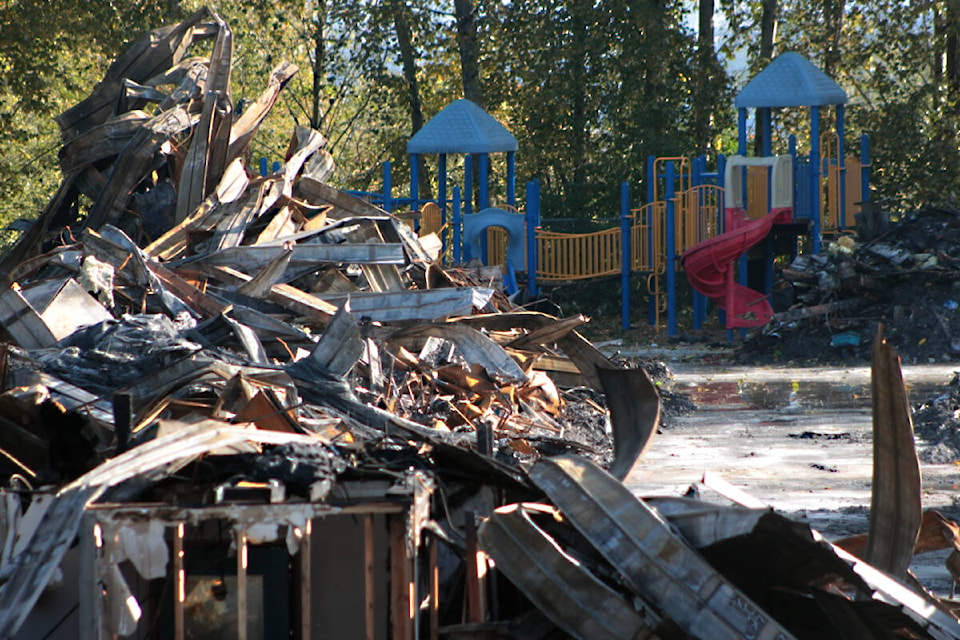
(576, 256)
(497, 238)
(648, 237)
(683, 171)
(697, 215)
(648, 241)
(833, 177)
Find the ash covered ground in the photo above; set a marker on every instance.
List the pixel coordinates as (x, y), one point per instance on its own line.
(900, 277)
(903, 274)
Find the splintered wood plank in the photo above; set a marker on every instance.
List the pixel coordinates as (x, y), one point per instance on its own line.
(253, 257)
(29, 243)
(369, 580)
(345, 203)
(150, 55)
(23, 323)
(101, 142)
(173, 243)
(402, 586)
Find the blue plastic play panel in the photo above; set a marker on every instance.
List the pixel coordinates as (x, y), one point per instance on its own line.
(476, 224)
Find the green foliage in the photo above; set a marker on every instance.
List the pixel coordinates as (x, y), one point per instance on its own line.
(889, 57)
(593, 89)
(590, 89)
(48, 62)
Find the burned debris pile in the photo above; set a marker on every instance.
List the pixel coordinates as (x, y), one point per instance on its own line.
(902, 273)
(245, 357)
(252, 406)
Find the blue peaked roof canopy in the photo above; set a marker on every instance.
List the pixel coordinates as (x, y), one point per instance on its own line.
(790, 80)
(462, 127)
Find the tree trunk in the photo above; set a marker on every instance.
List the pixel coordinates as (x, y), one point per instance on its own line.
(952, 49)
(466, 16)
(707, 69)
(768, 37)
(409, 57)
(833, 14)
(578, 118)
(319, 55)
(939, 48)
(768, 29)
(705, 34)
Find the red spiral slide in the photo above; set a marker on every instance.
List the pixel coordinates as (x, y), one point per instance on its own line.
(710, 270)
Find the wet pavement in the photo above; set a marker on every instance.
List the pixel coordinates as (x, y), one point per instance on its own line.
(799, 440)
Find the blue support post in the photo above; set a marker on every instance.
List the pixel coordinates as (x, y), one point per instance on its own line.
(698, 169)
(651, 179)
(767, 130)
(387, 187)
(671, 254)
(263, 167)
(457, 243)
(721, 221)
(699, 309)
(468, 185)
(626, 261)
(864, 168)
(815, 178)
(442, 186)
(651, 240)
(276, 166)
(484, 181)
(742, 131)
(842, 163)
(511, 178)
(414, 182)
(533, 223)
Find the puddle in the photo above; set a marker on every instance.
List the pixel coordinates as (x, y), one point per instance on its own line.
(831, 390)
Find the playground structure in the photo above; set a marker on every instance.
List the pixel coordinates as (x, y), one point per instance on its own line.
(722, 227)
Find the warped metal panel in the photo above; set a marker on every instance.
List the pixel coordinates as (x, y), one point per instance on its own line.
(634, 404)
(560, 586)
(702, 523)
(895, 501)
(425, 304)
(251, 257)
(654, 561)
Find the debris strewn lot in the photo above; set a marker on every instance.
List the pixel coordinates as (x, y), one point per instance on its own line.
(258, 406)
(903, 273)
